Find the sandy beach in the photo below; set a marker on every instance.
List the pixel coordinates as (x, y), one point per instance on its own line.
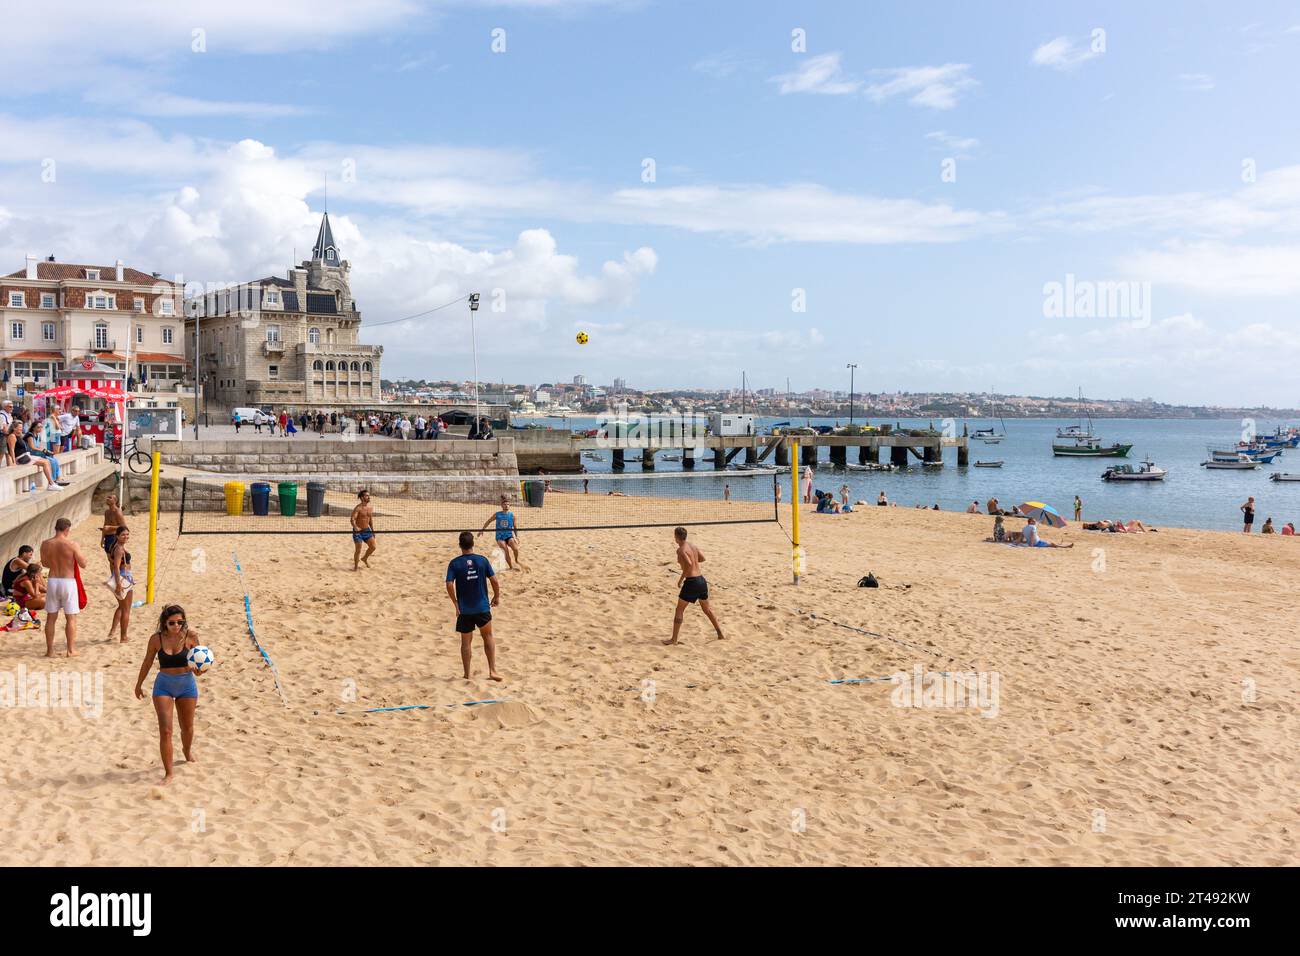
(1146, 709)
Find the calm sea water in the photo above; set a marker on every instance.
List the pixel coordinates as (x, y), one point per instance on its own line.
(1190, 497)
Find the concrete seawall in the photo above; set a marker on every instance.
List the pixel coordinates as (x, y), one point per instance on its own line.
(28, 517)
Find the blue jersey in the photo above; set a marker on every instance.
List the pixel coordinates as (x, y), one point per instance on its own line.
(505, 524)
(470, 572)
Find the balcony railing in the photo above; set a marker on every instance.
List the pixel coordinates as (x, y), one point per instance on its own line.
(272, 346)
(103, 345)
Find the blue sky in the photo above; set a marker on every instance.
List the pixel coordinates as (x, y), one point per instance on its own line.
(1160, 151)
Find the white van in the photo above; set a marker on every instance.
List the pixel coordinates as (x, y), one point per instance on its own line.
(250, 416)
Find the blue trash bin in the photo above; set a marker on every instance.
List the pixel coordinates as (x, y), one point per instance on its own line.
(261, 491)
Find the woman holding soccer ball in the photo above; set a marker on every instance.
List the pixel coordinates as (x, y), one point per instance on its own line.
(180, 658)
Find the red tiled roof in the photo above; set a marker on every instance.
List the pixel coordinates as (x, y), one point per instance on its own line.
(160, 357)
(72, 270)
(37, 355)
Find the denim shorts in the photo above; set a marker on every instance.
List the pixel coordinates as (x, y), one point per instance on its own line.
(177, 686)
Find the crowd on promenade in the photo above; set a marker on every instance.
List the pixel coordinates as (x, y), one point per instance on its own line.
(396, 425)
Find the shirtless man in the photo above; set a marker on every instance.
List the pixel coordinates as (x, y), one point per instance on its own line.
(693, 586)
(62, 556)
(363, 531)
(114, 519)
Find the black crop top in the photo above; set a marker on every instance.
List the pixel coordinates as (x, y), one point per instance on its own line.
(173, 660)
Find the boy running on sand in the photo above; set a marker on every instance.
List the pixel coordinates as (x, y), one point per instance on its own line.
(363, 531)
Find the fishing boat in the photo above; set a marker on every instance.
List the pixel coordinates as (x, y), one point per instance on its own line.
(1263, 456)
(1145, 470)
(592, 456)
(1241, 464)
(672, 457)
(1080, 442)
(988, 464)
(1283, 476)
(933, 464)
(870, 466)
(1090, 448)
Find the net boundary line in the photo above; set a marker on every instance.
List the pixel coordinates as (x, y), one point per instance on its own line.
(457, 530)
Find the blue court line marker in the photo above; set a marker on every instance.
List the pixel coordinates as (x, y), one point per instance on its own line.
(248, 616)
(389, 710)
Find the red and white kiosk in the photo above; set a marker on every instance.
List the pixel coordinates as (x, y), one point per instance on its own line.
(89, 380)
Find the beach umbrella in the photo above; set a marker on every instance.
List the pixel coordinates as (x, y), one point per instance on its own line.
(1041, 512)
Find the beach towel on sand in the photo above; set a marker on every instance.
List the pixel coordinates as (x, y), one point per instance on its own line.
(81, 589)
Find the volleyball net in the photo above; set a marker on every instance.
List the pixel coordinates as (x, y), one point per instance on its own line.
(425, 504)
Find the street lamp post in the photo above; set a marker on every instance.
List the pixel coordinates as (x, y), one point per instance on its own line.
(851, 367)
(473, 308)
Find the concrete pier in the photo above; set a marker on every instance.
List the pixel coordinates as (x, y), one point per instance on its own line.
(648, 459)
(898, 456)
(619, 464)
(839, 456)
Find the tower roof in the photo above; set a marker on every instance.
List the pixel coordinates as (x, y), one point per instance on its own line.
(325, 251)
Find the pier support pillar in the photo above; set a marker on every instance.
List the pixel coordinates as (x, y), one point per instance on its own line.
(963, 455)
(618, 459)
(898, 456)
(688, 459)
(719, 458)
(782, 455)
(647, 459)
(839, 456)
(868, 454)
(751, 455)
(808, 454)
(932, 453)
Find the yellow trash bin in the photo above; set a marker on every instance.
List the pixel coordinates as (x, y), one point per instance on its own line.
(234, 497)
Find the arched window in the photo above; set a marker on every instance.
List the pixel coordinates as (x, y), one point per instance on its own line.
(329, 366)
(313, 336)
(365, 367)
(356, 366)
(317, 365)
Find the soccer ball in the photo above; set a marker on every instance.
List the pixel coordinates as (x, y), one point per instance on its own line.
(10, 609)
(200, 658)
(583, 338)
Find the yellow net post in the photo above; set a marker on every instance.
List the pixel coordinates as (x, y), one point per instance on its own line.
(797, 553)
(153, 525)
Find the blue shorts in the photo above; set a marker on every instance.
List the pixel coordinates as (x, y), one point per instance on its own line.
(363, 535)
(505, 535)
(178, 686)
(1041, 544)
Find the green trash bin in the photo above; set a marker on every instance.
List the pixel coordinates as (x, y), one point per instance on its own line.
(288, 498)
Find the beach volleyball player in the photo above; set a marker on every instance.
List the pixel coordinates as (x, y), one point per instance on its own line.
(693, 586)
(175, 691)
(467, 583)
(507, 533)
(363, 529)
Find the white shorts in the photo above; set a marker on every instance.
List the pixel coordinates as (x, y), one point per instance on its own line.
(61, 595)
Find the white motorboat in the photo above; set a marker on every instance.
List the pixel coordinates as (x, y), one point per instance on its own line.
(1283, 476)
(1143, 471)
(1241, 464)
(989, 464)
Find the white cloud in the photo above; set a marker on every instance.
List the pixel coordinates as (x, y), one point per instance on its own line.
(1219, 269)
(937, 87)
(722, 65)
(960, 145)
(1196, 82)
(1062, 54)
(818, 74)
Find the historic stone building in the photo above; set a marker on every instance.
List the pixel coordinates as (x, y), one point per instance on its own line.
(288, 342)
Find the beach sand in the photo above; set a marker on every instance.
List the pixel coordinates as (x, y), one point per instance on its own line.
(1146, 710)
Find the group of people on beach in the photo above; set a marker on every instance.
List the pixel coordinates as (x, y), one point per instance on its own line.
(396, 425)
(1248, 519)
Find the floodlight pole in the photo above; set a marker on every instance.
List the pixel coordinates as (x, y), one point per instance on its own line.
(473, 308)
(851, 367)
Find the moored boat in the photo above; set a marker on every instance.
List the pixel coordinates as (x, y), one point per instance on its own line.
(1241, 464)
(1145, 470)
(1090, 449)
(989, 464)
(1283, 476)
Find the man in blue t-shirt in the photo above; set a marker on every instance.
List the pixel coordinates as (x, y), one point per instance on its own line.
(467, 580)
(507, 533)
